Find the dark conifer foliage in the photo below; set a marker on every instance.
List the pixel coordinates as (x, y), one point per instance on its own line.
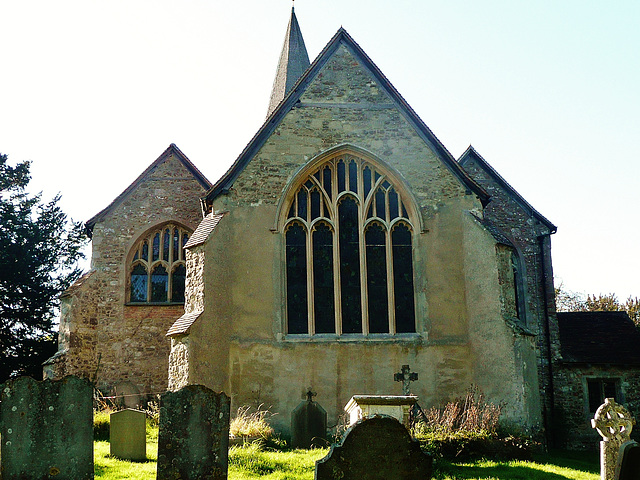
(39, 252)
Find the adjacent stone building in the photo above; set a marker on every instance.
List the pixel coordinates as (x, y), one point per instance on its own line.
(344, 242)
(115, 317)
(600, 359)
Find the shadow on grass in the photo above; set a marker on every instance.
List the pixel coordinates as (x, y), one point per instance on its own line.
(499, 471)
(587, 462)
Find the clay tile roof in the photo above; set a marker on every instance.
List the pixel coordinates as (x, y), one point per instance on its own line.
(75, 286)
(182, 325)
(599, 338)
(207, 225)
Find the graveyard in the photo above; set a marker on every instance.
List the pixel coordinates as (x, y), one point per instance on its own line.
(49, 429)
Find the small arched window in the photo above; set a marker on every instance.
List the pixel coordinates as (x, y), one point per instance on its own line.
(157, 268)
(348, 253)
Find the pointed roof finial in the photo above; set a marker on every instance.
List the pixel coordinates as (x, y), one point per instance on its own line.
(293, 62)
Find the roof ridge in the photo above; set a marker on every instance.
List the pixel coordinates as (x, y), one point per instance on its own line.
(500, 179)
(172, 148)
(341, 37)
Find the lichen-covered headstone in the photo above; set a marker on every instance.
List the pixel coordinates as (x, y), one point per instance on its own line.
(128, 434)
(193, 440)
(47, 429)
(376, 448)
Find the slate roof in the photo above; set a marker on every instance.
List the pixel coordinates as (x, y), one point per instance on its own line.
(294, 60)
(471, 153)
(172, 149)
(608, 338)
(341, 38)
(182, 325)
(207, 225)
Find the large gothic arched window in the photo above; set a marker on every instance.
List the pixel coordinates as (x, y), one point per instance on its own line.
(157, 268)
(348, 251)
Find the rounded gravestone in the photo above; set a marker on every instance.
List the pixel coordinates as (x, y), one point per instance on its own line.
(376, 448)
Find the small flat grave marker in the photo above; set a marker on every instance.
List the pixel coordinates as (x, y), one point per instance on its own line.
(128, 434)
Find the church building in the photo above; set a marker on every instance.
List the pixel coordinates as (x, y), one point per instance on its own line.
(344, 242)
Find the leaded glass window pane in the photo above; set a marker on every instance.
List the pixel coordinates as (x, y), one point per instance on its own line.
(176, 244)
(323, 279)
(139, 284)
(159, 284)
(296, 253)
(177, 283)
(350, 266)
(302, 203)
(378, 302)
(165, 245)
(145, 251)
(156, 247)
(315, 204)
(403, 279)
(353, 177)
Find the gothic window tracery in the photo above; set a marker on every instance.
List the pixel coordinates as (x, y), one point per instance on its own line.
(348, 253)
(157, 270)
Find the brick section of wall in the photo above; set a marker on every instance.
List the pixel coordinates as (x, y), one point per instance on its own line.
(100, 335)
(572, 415)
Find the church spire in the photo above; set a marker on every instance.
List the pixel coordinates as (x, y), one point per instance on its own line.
(294, 60)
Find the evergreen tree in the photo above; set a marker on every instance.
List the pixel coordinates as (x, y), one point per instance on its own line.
(39, 253)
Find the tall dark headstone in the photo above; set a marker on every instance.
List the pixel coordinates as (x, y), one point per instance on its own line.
(628, 467)
(193, 440)
(376, 448)
(47, 429)
(308, 424)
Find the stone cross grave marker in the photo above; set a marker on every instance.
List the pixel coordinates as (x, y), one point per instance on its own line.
(47, 429)
(308, 424)
(614, 423)
(375, 448)
(128, 434)
(406, 377)
(193, 441)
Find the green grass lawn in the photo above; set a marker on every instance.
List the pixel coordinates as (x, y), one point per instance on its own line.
(247, 463)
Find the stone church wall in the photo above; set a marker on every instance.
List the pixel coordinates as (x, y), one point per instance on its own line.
(531, 239)
(123, 346)
(238, 345)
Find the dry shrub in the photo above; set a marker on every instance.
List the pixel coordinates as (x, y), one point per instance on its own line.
(468, 414)
(248, 423)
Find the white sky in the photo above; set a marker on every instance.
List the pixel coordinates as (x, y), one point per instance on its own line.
(548, 92)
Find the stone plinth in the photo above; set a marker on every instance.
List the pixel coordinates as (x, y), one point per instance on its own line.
(128, 435)
(396, 406)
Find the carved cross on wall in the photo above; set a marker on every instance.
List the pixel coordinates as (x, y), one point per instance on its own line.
(406, 377)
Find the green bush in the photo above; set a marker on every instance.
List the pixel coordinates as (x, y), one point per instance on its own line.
(101, 424)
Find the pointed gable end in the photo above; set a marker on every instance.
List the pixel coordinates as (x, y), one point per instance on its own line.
(472, 157)
(172, 150)
(302, 94)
